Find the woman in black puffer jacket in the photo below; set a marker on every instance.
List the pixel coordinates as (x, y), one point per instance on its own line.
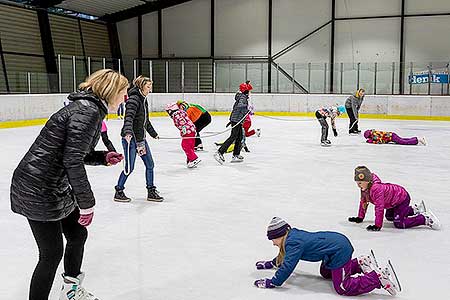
(136, 123)
(50, 186)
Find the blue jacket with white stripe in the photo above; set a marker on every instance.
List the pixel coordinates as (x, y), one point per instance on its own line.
(332, 248)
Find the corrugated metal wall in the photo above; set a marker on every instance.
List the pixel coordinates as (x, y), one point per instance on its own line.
(96, 39)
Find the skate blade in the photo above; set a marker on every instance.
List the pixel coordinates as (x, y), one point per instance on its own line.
(221, 162)
(374, 259)
(394, 276)
(325, 145)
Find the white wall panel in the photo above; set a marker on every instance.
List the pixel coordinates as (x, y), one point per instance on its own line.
(241, 27)
(293, 19)
(367, 8)
(375, 40)
(186, 29)
(150, 35)
(430, 6)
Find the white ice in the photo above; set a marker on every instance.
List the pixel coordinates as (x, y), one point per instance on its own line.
(203, 241)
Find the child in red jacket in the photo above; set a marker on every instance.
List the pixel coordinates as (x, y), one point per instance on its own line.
(187, 131)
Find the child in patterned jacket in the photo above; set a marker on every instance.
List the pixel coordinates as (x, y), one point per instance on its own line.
(384, 137)
(394, 199)
(328, 112)
(187, 132)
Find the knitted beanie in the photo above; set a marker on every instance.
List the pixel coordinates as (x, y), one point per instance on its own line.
(368, 133)
(277, 228)
(362, 173)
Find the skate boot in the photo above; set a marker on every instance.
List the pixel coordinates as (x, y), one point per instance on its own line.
(325, 144)
(422, 141)
(419, 208)
(388, 280)
(72, 289)
(153, 195)
(237, 159)
(219, 157)
(431, 220)
(194, 163)
(258, 132)
(120, 196)
(199, 148)
(367, 263)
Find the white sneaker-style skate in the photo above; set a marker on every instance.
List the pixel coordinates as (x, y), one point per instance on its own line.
(422, 141)
(388, 280)
(237, 159)
(431, 220)
(367, 263)
(258, 132)
(219, 157)
(419, 208)
(72, 289)
(194, 163)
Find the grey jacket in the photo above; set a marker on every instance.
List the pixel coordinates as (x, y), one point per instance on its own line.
(355, 104)
(240, 108)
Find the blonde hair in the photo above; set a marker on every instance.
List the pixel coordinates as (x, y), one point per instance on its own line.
(280, 257)
(359, 92)
(141, 81)
(105, 84)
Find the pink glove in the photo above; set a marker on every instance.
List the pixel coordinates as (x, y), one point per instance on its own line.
(113, 158)
(86, 216)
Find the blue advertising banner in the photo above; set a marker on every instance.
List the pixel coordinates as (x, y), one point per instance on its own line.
(424, 78)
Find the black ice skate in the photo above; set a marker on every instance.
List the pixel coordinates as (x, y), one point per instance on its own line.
(121, 197)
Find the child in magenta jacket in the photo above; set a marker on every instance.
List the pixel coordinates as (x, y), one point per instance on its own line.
(394, 199)
(187, 131)
(373, 136)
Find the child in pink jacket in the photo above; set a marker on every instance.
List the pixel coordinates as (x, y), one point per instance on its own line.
(390, 197)
(187, 131)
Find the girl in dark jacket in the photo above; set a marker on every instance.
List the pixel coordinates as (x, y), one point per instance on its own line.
(50, 186)
(135, 125)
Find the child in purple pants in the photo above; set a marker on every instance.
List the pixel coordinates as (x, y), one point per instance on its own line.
(392, 197)
(334, 250)
(385, 137)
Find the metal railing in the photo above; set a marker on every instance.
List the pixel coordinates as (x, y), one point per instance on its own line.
(224, 75)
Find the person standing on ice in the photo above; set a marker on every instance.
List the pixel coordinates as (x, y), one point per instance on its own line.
(353, 105)
(394, 199)
(134, 143)
(373, 136)
(51, 189)
(328, 112)
(238, 114)
(334, 250)
(187, 132)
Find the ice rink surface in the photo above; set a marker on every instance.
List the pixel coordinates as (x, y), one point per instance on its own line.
(203, 241)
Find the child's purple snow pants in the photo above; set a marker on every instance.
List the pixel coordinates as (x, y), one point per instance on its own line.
(404, 141)
(347, 285)
(403, 215)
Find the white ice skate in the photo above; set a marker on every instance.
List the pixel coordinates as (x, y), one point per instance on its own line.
(72, 289)
(389, 280)
(367, 263)
(422, 141)
(237, 159)
(326, 143)
(419, 208)
(219, 157)
(258, 132)
(431, 220)
(194, 163)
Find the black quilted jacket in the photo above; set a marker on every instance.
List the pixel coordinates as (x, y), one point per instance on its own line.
(51, 179)
(136, 120)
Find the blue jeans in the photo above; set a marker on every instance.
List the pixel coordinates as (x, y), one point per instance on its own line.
(130, 154)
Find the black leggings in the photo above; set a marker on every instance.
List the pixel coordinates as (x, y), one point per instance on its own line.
(201, 123)
(49, 238)
(353, 126)
(323, 122)
(235, 137)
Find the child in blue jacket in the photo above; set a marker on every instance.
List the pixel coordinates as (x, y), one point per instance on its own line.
(333, 249)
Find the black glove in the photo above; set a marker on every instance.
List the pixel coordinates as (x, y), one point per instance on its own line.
(355, 219)
(373, 228)
(335, 132)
